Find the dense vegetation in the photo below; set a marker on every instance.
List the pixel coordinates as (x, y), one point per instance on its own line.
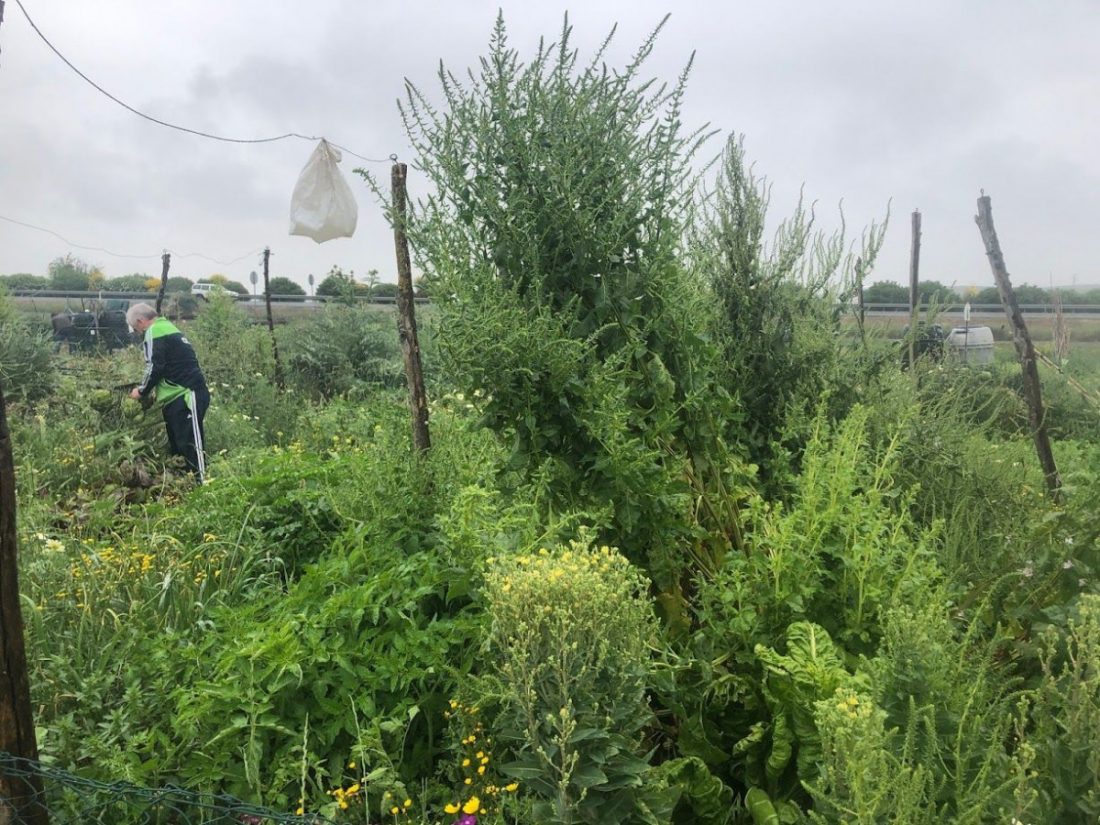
(686, 549)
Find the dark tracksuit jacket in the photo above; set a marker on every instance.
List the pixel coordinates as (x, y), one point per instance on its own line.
(172, 370)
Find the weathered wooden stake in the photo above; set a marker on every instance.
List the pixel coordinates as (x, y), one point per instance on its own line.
(271, 321)
(914, 287)
(165, 262)
(406, 313)
(1025, 350)
(1061, 329)
(859, 297)
(21, 798)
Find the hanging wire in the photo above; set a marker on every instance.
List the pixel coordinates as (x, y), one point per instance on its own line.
(160, 122)
(123, 255)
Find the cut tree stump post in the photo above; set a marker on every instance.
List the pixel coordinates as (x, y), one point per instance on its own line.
(914, 288)
(271, 321)
(21, 799)
(165, 263)
(1025, 350)
(406, 313)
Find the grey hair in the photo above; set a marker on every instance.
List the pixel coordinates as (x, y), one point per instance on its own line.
(142, 311)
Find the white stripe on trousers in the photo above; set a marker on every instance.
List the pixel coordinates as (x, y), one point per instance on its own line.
(194, 409)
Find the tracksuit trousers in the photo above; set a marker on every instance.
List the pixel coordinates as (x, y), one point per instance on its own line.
(183, 420)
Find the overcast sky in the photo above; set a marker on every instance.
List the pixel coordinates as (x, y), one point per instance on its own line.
(860, 101)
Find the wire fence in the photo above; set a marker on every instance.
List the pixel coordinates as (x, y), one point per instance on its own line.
(27, 788)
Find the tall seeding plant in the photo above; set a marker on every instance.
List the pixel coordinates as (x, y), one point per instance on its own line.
(776, 309)
(552, 248)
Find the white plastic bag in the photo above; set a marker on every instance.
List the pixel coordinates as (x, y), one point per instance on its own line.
(322, 206)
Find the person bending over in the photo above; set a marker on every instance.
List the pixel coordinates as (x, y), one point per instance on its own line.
(173, 375)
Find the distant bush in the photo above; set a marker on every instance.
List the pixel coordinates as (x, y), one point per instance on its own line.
(24, 280)
(128, 283)
(285, 286)
(179, 284)
(69, 273)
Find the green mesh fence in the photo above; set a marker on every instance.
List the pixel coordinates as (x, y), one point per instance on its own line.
(68, 798)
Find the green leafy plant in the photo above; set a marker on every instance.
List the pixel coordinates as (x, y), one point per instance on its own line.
(568, 640)
(784, 751)
(1066, 714)
(552, 249)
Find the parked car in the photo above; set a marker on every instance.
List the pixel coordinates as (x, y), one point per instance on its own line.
(204, 291)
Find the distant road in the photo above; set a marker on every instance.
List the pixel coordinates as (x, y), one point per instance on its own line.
(986, 312)
(53, 300)
(49, 300)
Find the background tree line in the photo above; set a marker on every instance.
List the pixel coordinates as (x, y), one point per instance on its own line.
(888, 292)
(73, 274)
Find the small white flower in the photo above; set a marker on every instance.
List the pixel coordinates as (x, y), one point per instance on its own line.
(1028, 571)
(1069, 539)
(1067, 564)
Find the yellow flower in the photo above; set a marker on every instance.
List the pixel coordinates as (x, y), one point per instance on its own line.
(473, 806)
(481, 770)
(394, 809)
(354, 789)
(451, 808)
(512, 788)
(351, 764)
(465, 763)
(407, 803)
(468, 781)
(301, 810)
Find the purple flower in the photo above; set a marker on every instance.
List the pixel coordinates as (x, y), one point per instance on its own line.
(466, 819)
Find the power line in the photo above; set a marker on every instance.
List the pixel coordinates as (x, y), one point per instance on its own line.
(123, 255)
(160, 122)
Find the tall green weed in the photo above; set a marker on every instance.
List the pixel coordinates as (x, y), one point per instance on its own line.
(569, 634)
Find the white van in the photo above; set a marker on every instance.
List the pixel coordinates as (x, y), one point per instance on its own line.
(204, 291)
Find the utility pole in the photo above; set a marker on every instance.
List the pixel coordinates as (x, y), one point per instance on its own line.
(406, 314)
(1025, 350)
(21, 798)
(271, 321)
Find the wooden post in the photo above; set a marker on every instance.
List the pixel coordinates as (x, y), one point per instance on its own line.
(914, 292)
(165, 262)
(406, 313)
(1061, 329)
(859, 297)
(271, 320)
(21, 798)
(1025, 350)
